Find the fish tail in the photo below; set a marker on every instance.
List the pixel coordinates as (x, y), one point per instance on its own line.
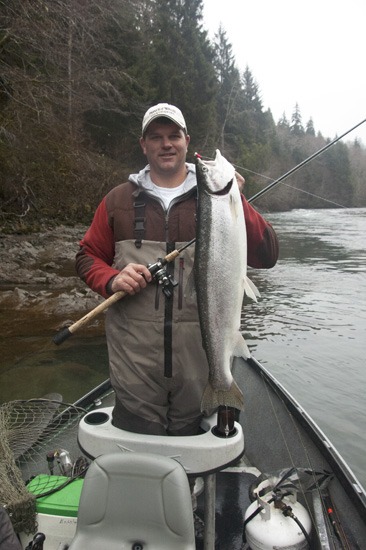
(212, 399)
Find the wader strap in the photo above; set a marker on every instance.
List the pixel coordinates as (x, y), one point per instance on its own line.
(168, 322)
(139, 229)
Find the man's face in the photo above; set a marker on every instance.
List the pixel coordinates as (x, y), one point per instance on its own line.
(165, 146)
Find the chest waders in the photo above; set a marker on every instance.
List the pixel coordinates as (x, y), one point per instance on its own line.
(158, 367)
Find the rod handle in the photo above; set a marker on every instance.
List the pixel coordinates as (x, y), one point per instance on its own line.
(60, 337)
(170, 257)
(65, 333)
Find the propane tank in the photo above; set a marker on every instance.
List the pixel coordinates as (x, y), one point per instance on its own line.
(270, 528)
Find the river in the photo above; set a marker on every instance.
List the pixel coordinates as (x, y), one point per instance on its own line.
(308, 328)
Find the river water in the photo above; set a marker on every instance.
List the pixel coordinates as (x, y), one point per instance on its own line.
(308, 328)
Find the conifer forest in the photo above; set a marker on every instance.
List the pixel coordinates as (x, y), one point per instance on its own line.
(76, 78)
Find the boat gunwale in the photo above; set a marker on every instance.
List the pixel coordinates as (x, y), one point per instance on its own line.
(340, 468)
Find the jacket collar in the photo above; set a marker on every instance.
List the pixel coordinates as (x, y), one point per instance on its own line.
(144, 183)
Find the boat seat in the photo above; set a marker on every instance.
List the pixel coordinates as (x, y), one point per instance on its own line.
(135, 501)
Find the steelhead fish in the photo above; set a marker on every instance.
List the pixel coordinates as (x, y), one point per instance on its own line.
(220, 277)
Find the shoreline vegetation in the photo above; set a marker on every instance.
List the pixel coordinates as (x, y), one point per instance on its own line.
(77, 78)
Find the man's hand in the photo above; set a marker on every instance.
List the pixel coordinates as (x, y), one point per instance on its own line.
(240, 181)
(131, 279)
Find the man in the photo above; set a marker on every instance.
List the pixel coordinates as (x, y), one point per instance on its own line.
(158, 367)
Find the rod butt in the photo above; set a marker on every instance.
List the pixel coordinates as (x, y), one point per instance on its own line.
(61, 336)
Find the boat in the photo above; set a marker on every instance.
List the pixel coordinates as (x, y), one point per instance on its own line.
(269, 478)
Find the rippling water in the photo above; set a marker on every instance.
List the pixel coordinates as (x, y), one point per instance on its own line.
(309, 326)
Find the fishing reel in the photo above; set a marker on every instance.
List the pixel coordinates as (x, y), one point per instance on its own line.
(162, 277)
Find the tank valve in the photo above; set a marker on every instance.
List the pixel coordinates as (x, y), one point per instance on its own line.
(64, 461)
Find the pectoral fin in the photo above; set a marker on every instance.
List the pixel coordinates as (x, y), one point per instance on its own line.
(250, 289)
(240, 347)
(190, 289)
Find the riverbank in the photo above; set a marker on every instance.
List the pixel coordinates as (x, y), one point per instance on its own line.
(40, 294)
(38, 273)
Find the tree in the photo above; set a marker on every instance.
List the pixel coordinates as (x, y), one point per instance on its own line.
(181, 70)
(252, 124)
(357, 155)
(310, 127)
(224, 60)
(283, 122)
(229, 85)
(337, 181)
(251, 95)
(296, 127)
(66, 87)
(77, 77)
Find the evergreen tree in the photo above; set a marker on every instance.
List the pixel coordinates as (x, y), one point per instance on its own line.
(357, 155)
(229, 85)
(310, 127)
(251, 122)
(283, 122)
(224, 60)
(251, 95)
(253, 131)
(337, 178)
(77, 78)
(296, 127)
(181, 66)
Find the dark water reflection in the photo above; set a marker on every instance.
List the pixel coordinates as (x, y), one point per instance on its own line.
(72, 369)
(39, 294)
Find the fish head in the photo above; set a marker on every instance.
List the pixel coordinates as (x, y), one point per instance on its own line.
(214, 176)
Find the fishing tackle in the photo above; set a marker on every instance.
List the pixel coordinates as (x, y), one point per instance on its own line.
(158, 272)
(162, 277)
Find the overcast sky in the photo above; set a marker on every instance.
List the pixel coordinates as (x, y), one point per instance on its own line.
(312, 53)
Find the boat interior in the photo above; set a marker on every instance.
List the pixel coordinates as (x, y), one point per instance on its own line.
(272, 439)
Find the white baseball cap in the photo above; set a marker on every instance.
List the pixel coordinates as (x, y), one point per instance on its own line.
(164, 110)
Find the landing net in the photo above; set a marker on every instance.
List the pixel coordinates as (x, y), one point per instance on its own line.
(38, 436)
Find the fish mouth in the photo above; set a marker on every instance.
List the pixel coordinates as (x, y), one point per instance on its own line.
(205, 165)
(225, 190)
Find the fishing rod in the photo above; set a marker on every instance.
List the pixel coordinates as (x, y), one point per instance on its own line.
(298, 166)
(158, 273)
(157, 269)
(301, 164)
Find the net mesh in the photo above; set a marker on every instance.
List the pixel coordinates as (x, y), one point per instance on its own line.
(38, 436)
